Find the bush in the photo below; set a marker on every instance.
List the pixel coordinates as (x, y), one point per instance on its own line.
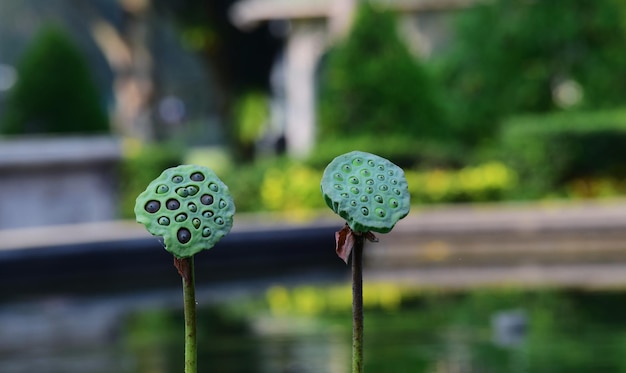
(140, 168)
(402, 150)
(373, 85)
(54, 92)
(550, 151)
(509, 56)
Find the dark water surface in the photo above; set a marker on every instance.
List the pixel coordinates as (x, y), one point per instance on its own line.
(308, 329)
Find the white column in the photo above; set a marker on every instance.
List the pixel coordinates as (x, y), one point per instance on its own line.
(304, 49)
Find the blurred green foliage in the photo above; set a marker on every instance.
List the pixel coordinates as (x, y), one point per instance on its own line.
(512, 56)
(373, 85)
(139, 168)
(54, 92)
(550, 151)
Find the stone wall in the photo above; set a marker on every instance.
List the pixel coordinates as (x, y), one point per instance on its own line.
(50, 181)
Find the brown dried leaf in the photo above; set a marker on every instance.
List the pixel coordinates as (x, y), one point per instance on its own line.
(344, 240)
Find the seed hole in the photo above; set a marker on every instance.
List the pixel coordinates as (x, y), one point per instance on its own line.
(369, 190)
(338, 187)
(380, 212)
(172, 204)
(181, 217)
(364, 199)
(162, 189)
(383, 188)
(206, 232)
(365, 172)
(206, 199)
(196, 223)
(345, 195)
(346, 168)
(192, 190)
(197, 176)
(365, 211)
(354, 180)
(164, 220)
(223, 204)
(152, 206)
(357, 161)
(214, 187)
(338, 177)
(378, 198)
(192, 207)
(353, 203)
(371, 163)
(219, 221)
(177, 179)
(397, 191)
(393, 203)
(393, 182)
(183, 235)
(380, 177)
(207, 214)
(182, 192)
(354, 190)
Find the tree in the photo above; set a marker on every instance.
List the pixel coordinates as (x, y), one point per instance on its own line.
(54, 92)
(373, 85)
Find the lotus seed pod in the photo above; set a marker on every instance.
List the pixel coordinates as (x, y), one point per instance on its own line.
(368, 191)
(189, 206)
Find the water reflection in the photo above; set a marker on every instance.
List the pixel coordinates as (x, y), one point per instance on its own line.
(307, 329)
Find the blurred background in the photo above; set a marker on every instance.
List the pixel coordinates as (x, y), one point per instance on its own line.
(508, 117)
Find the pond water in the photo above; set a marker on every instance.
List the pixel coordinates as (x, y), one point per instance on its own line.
(307, 328)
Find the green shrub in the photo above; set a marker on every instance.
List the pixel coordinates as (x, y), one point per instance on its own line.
(404, 151)
(553, 150)
(508, 56)
(54, 92)
(140, 168)
(373, 85)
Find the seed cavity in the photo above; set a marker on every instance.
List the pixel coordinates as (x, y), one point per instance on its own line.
(393, 203)
(369, 190)
(383, 188)
(338, 177)
(346, 168)
(380, 212)
(214, 187)
(378, 198)
(354, 190)
(206, 199)
(365, 211)
(181, 217)
(207, 214)
(206, 232)
(219, 221)
(345, 195)
(152, 206)
(357, 162)
(364, 199)
(393, 182)
(338, 187)
(177, 179)
(183, 235)
(397, 191)
(196, 223)
(172, 204)
(371, 163)
(353, 203)
(354, 180)
(163, 220)
(192, 190)
(192, 207)
(162, 189)
(223, 204)
(380, 177)
(197, 176)
(365, 172)
(369, 181)
(182, 192)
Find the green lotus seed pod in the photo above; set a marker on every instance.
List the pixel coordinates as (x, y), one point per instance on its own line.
(189, 206)
(378, 192)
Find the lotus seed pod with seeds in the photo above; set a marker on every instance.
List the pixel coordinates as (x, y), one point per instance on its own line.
(368, 191)
(189, 206)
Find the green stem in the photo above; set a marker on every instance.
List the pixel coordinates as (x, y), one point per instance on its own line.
(357, 305)
(186, 269)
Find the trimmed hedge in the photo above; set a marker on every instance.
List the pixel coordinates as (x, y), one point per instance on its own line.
(550, 151)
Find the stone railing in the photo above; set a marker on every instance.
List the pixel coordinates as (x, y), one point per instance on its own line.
(58, 180)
